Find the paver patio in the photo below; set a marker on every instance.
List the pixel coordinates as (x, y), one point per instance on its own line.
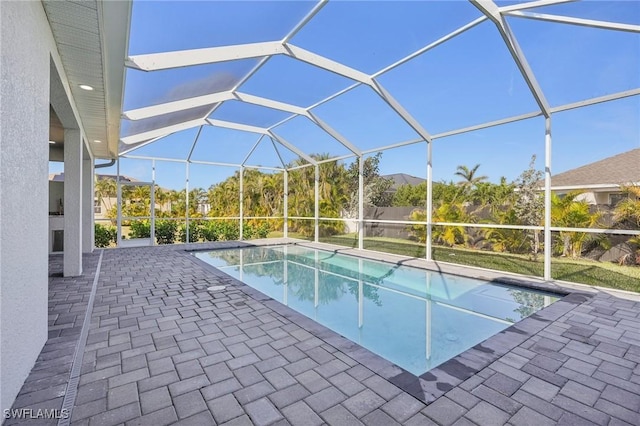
(162, 349)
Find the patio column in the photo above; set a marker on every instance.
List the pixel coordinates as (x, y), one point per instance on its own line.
(547, 199)
(87, 203)
(73, 177)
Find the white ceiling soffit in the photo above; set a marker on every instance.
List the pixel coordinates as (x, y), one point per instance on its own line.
(91, 38)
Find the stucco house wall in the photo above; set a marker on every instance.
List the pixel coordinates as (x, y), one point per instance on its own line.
(26, 54)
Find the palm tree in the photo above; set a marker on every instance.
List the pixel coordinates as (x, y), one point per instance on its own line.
(469, 177)
(105, 189)
(628, 210)
(568, 212)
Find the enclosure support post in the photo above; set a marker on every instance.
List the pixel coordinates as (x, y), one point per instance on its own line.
(429, 216)
(316, 214)
(118, 205)
(241, 201)
(152, 204)
(186, 213)
(88, 191)
(547, 199)
(285, 207)
(360, 202)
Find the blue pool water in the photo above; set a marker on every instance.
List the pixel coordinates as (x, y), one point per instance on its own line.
(415, 318)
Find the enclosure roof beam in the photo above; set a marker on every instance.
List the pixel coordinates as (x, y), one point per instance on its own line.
(269, 103)
(273, 143)
(313, 12)
(236, 126)
(186, 58)
(333, 133)
(491, 11)
(163, 131)
(292, 148)
(175, 106)
(598, 100)
(325, 63)
(399, 109)
(576, 21)
(140, 145)
(253, 148)
(532, 4)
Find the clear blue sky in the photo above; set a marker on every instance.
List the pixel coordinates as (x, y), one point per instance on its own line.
(469, 80)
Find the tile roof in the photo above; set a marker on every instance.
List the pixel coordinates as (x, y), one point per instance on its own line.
(400, 179)
(623, 168)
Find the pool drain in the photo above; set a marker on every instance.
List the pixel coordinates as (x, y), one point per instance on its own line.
(216, 288)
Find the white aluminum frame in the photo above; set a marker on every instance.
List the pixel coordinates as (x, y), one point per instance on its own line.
(266, 50)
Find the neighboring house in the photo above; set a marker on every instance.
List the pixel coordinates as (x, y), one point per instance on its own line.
(601, 180)
(56, 191)
(400, 179)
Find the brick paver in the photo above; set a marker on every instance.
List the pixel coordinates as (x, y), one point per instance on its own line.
(163, 349)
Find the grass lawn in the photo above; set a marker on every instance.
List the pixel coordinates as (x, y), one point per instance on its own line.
(580, 271)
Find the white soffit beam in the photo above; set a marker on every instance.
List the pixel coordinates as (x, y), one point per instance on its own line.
(333, 133)
(292, 148)
(237, 126)
(163, 131)
(185, 58)
(532, 4)
(175, 106)
(491, 10)
(325, 63)
(576, 21)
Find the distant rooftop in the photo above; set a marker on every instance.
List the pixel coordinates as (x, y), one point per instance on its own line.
(620, 169)
(400, 179)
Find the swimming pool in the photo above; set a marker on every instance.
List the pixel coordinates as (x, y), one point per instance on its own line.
(414, 318)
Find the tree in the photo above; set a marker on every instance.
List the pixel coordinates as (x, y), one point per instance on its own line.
(627, 211)
(529, 204)
(105, 189)
(568, 212)
(376, 188)
(410, 195)
(469, 178)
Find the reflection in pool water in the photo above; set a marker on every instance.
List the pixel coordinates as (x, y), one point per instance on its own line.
(415, 318)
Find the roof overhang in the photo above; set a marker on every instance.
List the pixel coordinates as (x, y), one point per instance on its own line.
(91, 38)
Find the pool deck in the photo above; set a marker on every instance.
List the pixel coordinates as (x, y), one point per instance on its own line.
(161, 349)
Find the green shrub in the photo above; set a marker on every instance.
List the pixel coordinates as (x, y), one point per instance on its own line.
(250, 231)
(104, 235)
(217, 230)
(195, 232)
(140, 229)
(228, 231)
(209, 231)
(165, 231)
